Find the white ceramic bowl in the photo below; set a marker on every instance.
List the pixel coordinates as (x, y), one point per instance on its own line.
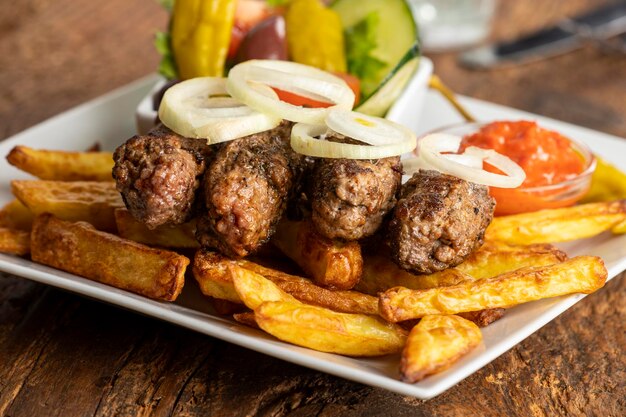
(405, 110)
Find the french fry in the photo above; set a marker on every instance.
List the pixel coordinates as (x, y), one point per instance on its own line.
(328, 331)
(435, 344)
(211, 271)
(254, 289)
(330, 263)
(16, 215)
(14, 241)
(493, 258)
(82, 250)
(93, 202)
(557, 225)
(620, 228)
(582, 274)
(166, 236)
(483, 318)
(306, 291)
(61, 165)
(247, 318)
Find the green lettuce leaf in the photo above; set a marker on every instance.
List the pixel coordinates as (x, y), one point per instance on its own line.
(360, 41)
(167, 66)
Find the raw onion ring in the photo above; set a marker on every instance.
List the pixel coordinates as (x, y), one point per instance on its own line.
(303, 141)
(201, 108)
(430, 148)
(372, 130)
(246, 82)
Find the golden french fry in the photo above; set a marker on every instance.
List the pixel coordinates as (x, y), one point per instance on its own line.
(211, 271)
(82, 250)
(14, 241)
(483, 318)
(306, 291)
(435, 344)
(62, 165)
(247, 318)
(330, 263)
(620, 228)
(582, 274)
(16, 215)
(557, 225)
(493, 258)
(254, 289)
(328, 331)
(380, 273)
(93, 202)
(180, 236)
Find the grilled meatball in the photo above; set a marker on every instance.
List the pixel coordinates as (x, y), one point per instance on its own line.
(158, 175)
(246, 190)
(349, 198)
(438, 221)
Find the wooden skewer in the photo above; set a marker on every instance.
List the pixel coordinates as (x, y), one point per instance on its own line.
(436, 84)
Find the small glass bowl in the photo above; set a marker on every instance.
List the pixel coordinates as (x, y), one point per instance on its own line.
(522, 200)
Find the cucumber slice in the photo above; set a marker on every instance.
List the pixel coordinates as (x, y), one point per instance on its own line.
(391, 87)
(393, 34)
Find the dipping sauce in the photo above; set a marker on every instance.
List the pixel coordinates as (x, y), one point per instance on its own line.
(547, 157)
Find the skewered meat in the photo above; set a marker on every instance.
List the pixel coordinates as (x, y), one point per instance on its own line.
(350, 198)
(438, 221)
(246, 189)
(158, 175)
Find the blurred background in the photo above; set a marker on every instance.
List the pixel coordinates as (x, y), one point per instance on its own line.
(63, 52)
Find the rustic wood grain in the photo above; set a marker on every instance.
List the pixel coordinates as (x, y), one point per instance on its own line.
(63, 355)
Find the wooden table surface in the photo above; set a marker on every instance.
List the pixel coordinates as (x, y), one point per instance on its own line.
(61, 354)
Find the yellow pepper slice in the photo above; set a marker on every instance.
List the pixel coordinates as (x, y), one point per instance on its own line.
(201, 35)
(315, 35)
(608, 183)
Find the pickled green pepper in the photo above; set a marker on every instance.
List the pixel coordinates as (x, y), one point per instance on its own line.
(201, 35)
(315, 35)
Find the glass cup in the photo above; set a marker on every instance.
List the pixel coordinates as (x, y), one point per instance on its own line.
(452, 24)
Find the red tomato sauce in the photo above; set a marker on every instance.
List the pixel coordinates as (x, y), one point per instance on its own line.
(546, 156)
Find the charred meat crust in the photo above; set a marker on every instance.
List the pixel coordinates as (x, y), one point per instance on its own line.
(158, 175)
(438, 221)
(246, 190)
(350, 198)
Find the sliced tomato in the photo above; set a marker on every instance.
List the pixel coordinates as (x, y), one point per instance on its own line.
(297, 100)
(353, 82)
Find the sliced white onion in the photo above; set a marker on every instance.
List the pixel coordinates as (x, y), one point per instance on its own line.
(244, 80)
(429, 150)
(303, 141)
(465, 159)
(369, 129)
(411, 165)
(414, 164)
(201, 108)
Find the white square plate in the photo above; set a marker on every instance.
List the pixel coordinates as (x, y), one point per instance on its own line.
(109, 120)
